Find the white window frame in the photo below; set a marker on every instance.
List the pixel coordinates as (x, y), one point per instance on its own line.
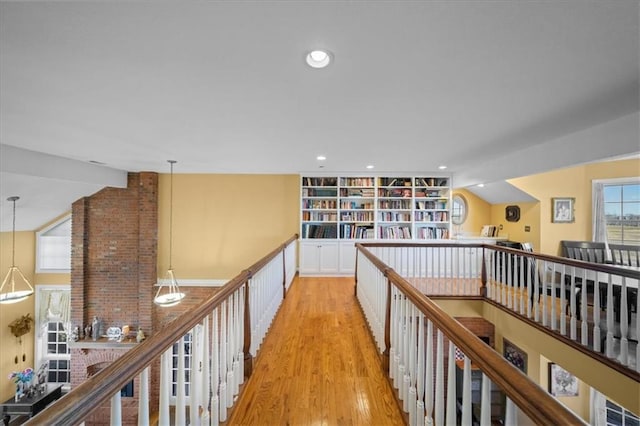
(188, 358)
(41, 242)
(41, 334)
(633, 180)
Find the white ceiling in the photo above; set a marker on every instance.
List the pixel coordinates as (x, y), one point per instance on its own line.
(493, 90)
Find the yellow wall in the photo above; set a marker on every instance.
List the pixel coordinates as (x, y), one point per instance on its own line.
(10, 346)
(478, 213)
(224, 223)
(573, 182)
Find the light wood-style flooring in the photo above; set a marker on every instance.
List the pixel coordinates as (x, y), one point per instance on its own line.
(318, 364)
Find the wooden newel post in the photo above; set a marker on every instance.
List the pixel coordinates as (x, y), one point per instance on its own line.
(248, 359)
(483, 275)
(387, 328)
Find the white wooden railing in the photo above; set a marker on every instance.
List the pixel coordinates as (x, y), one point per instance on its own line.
(427, 351)
(226, 333)
(518, 279)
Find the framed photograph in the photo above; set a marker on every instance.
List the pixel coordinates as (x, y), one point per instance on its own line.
(561, 382)
(514, 355)
(562, 210)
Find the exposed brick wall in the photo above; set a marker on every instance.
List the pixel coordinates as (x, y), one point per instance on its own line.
(113, 270)
(480, 327)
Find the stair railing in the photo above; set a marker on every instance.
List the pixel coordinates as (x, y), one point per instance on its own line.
(220, 338)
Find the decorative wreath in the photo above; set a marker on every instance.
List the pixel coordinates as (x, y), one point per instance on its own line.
(21, 326)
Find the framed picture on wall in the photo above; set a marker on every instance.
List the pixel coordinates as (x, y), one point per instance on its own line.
(561, 382)
(562, 210)
(514, 355)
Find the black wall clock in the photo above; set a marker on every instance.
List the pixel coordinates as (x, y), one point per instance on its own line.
(512, 213)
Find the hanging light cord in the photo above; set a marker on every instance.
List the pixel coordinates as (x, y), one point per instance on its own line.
(13, 234)
(171, 214)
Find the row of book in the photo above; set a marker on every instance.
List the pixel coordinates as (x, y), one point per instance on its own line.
(432, 233)
(356, 205)
(319, 231)
(357, 192)
(394, 217)
(366, 231)
(394, 232)
(432, 193)
(319, 181)
(319, 192)
(391, 181)
(357, 216)
(431, 205)
(320, 216)
(394, 192)
(395, 204)
(356, 181)
(428, 216)
(357, 231)
(319, 204)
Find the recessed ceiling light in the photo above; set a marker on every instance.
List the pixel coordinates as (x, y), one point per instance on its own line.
(481, 185)
(442, 167)
(370, 166)
(321, 158)
(318, 58)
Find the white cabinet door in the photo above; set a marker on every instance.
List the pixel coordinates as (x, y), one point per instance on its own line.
(347, 258)
(318, 257)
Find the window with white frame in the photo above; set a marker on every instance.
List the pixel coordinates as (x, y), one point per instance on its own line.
(53, 246)
(619, 416)
(52, 325)
(188, 346)
(616, 211)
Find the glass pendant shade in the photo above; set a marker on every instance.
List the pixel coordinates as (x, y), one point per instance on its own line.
(169, 293)
(18, 288)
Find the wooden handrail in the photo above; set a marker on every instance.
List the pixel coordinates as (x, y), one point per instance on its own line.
(598, 267)
(534, 401)
(80, 402)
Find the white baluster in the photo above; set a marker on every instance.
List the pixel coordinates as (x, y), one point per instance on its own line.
(583, 310)
(624, 324)
(439, 394)
(222, 393)
(215, 369)
(143, 400)
(511, 414)
(429, 393)
(610, 323)
(466, 392)
(485, 402)
(420, 371)
(116, 409)
(181, 388)
(196, 376)
(563, 301)
(230, 353)
(451, 414)
(412, 396)
(573, 332)
(206, 383)
(165, 387)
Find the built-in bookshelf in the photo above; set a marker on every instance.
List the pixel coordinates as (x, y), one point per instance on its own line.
(381, 207)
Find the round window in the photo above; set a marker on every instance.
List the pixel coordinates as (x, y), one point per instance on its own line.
(459, 210)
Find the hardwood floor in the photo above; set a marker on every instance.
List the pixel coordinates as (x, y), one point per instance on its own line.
(318, 364)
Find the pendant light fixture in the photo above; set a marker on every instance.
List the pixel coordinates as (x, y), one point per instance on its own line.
(169, 293)
(13, 294)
